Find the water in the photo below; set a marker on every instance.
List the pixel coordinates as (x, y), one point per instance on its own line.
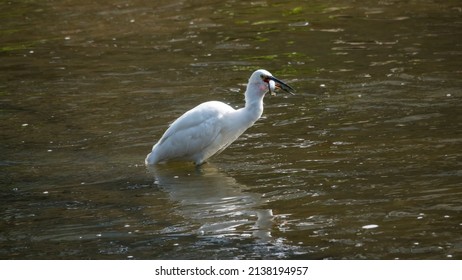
(364, 162)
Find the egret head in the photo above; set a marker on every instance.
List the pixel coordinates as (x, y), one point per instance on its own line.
(266, 82)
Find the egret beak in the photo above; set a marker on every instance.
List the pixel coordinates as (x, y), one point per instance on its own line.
(274, 83)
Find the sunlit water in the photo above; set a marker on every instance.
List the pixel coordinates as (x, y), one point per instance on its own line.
(363, 162)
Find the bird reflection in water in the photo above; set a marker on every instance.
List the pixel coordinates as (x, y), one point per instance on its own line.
(213, 203)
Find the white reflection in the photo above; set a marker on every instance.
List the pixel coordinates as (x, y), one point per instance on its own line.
(212, 202)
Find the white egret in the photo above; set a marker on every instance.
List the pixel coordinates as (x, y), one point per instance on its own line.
(212, 126)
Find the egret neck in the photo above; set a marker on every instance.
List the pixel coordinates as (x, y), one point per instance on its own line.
(254, 101)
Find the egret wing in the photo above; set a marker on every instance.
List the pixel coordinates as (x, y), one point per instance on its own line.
(193, 132)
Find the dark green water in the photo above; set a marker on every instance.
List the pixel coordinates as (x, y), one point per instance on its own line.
(364, 162)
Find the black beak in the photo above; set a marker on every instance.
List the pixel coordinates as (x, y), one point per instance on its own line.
(280, 84)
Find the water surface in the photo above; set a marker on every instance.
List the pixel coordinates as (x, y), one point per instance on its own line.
(364, 162)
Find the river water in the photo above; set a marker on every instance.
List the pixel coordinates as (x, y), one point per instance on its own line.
(364, 162)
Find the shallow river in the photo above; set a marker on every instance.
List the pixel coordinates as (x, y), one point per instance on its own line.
(364, 162)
